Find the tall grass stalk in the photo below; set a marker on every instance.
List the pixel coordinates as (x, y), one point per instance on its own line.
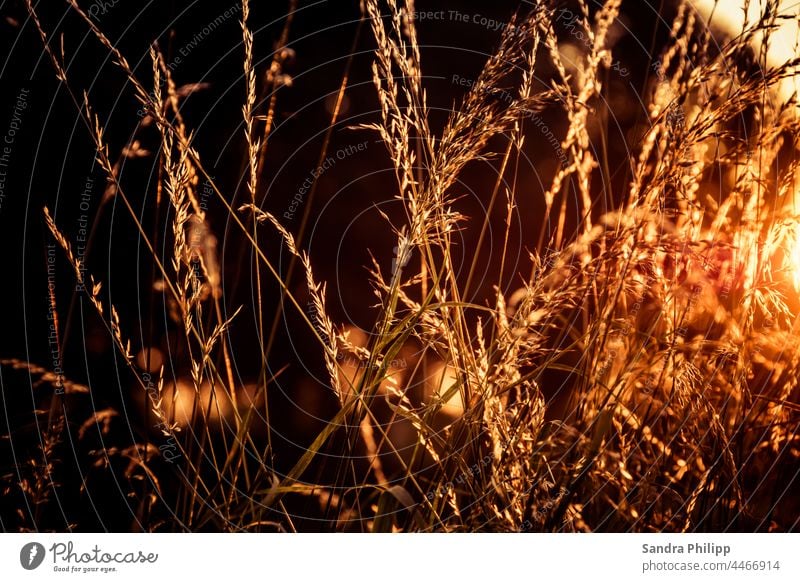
(671, 314)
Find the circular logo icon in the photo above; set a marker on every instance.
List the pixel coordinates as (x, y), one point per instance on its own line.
(31, 555)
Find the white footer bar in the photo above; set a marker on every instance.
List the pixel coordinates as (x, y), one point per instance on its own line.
(399, 557)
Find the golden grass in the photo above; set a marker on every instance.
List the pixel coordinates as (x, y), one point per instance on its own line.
(670, 316)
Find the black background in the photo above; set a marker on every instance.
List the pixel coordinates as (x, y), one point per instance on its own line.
(53, 155)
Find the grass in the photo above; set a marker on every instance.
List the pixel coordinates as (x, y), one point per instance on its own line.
(642, 377)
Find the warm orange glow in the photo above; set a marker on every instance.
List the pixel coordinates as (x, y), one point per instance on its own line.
(794, 257)
(441, 379)
(730, 15)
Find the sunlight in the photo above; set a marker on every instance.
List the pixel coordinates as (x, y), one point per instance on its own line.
(794, 257)
(783, 44)
(597, 331)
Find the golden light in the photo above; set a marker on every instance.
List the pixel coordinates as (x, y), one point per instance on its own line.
(783, 40)
(783, 46)
(794, 257)
(441, 379)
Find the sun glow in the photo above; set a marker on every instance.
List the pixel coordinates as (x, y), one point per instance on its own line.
(731, 16)
(794, 257)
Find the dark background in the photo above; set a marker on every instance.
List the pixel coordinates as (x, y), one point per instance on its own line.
(53, 155)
